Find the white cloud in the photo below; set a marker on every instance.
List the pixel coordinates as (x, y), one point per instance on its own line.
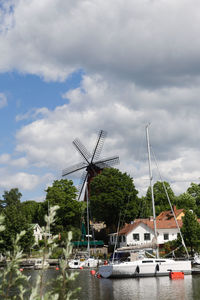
(142, 64)
(149, 42)
(122, 110)
(3, 100)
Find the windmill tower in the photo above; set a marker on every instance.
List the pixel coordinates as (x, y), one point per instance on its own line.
(91, 165)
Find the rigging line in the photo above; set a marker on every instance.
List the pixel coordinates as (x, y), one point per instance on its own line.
(116, 238)
(173, 250)
(165, 189)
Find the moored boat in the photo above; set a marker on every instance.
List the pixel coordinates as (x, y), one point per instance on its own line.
(41, 264)
(146, 267)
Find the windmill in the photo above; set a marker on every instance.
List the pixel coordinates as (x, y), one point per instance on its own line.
(91, 164)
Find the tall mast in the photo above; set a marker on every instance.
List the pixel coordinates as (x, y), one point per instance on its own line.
(88, 222)
(151, 186)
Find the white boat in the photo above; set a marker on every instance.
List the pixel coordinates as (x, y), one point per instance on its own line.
(79, 263)
(147, 266)
(41, 264)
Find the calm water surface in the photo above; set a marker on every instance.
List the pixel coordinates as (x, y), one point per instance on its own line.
(161, 288)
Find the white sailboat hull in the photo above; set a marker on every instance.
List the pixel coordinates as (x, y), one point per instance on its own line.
(144, 268)
(86, 263)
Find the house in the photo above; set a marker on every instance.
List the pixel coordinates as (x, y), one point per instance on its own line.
(37, 232)
(141, 231)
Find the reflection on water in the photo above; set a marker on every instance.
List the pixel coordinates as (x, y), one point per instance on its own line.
(161, 288)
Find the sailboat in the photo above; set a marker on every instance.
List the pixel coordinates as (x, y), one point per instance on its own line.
(83, 259)
(146, 267)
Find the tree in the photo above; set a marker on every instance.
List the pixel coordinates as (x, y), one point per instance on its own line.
(186, 201)
(113, 193)
(63, 194)
(11, 197)
(160, 197)
(34, 212)
(15, 221)
(194, 191)
(145, 207)
(191, 231)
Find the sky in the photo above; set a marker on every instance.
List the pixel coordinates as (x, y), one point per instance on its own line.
(70, 68)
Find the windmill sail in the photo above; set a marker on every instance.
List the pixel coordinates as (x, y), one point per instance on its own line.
(91, 164)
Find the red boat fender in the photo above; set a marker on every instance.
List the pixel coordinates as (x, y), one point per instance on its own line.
(176, 275)
(81, 268)
(105, 262)
(92, 272)
(57, 268)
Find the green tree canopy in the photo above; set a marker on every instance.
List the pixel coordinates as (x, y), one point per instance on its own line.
(15, 221)
(194, 191)
(160, 197)
(11, 197)
(191, 231)
(63, 194)
(111, 193)
(34, 212)
(186, 201)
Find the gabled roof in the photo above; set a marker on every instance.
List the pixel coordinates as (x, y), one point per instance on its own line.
(167, 214)
(129, 227)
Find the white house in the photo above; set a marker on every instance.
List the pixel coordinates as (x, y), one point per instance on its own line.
(141, 231)
(37, 232)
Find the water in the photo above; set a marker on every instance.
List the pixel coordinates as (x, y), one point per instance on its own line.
(161, 288)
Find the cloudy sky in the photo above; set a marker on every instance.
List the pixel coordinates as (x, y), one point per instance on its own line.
(69, 68)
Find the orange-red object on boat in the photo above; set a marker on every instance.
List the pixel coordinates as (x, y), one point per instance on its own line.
(176, 275)
(92, 272)
(81, 268)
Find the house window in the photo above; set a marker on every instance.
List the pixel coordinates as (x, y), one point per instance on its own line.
(136, 236)
(147, 236)
(166, 236)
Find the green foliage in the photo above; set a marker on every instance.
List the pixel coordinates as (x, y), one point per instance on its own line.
(34, 212)
(194, 191)
(160, 197)
(112, 193)
(145, 207)
(63, 194)
(15, 222)
(191, 231)
(186, 201)
(13, 283)
(10, 198)
(15, 286)
(174, 248)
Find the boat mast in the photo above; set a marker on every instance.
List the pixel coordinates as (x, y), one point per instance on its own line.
(151, 186)
(88, 222)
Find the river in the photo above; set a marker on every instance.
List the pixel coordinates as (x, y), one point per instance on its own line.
(160, 288)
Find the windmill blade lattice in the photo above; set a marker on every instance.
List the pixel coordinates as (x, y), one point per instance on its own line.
(99, 145)
(92, 165)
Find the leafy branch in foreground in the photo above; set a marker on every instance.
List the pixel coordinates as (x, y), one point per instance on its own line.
(14, 285)
(11, 279)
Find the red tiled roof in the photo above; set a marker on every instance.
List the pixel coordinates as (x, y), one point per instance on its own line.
(167, 214)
